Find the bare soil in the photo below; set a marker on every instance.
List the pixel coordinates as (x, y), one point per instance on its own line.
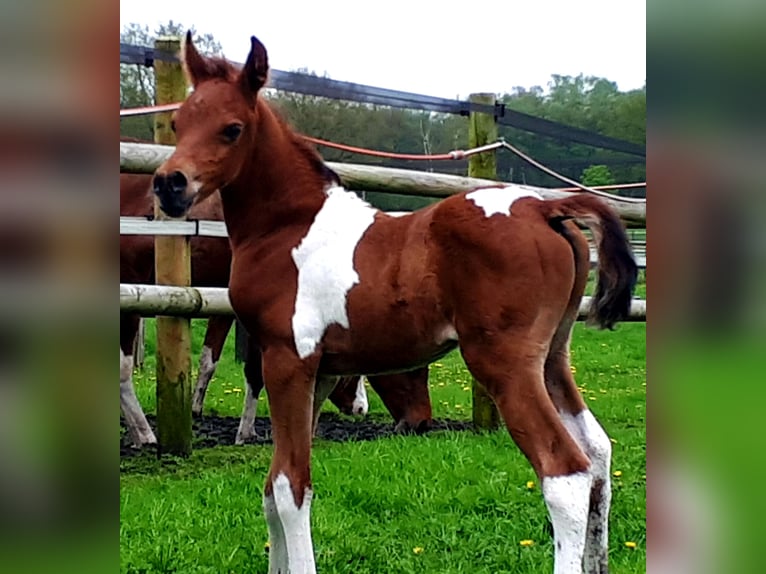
(210, 431)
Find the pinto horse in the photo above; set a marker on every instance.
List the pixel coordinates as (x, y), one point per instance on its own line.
(404, 395)
(352, 290)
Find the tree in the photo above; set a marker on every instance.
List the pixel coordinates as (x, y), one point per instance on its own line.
(597, 175)
(137, 81)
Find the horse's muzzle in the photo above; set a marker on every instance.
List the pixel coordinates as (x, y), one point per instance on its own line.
(171, 191)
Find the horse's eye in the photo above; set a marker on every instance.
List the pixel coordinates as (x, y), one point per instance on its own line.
(232, 132)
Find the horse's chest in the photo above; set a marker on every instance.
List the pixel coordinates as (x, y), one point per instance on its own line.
(324, 260)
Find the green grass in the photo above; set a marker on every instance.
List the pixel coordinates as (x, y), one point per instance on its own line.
(442, 503)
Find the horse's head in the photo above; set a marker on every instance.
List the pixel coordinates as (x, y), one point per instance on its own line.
(214, 128)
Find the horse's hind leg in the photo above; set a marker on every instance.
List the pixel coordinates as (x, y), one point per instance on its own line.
(592, 439)
(578, 419)
(215, 337)
(138, 427)
(511, 368)
(253, 387)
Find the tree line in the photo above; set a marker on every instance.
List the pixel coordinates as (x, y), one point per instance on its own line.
(594, 104)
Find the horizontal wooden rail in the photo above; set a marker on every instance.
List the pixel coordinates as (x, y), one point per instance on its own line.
(207, 228)
(150, 300)
(144, 226)
(145, 158)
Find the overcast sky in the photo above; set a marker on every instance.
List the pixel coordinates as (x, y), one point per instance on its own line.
(447, 49)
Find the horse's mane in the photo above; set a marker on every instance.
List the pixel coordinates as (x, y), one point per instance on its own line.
(215, 67)
(304, 147)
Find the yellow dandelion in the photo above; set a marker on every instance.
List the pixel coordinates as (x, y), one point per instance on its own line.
(236, 390)
(573, 369)
(526, 542)
(417, 549)
(617, 473)
(630, 545)
(458, 406)
(592, 399)
(227, 392)
(530, 484)
(466, 388)
(267, 546)
(441, 384)
(614, 440)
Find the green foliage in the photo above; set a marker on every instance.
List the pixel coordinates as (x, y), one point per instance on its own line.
(597, 175)
(460, 497)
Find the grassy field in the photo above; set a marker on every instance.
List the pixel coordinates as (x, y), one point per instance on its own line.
(443, 503)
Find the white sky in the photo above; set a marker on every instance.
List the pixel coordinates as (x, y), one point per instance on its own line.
(448, 49)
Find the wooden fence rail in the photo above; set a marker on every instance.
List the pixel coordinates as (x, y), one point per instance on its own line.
(145, 158)
(150, 300)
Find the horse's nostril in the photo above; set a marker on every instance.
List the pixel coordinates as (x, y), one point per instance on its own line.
(177, 181)
(158, 183)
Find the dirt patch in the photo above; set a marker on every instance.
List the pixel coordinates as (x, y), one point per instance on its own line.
(210, 431)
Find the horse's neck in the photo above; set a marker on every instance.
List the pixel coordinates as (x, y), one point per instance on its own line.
(280, 186)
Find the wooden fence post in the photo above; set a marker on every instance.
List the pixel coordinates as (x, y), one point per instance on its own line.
(172, 267)
(482, 129)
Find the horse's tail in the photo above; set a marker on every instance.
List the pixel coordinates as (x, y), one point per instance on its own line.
(617, 270)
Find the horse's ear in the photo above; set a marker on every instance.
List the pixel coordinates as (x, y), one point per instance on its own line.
(197, 68)
(256, 69)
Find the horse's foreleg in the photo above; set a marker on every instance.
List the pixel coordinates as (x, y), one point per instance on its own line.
(287, 494)
(215, 337)
(513, 375)
(138, 427)
(253, 387)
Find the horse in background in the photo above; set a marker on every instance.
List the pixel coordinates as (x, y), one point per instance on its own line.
(211, 260)
(352, 290)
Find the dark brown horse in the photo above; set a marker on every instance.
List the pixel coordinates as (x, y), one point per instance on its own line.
(211, 260)
(352, 290)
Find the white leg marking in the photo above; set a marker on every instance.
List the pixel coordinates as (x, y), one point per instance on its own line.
(325, 263)
(206, 370)
(138, 427)
(567, 498)
(246, 428)
(594, 441)
(277, 547)
(498, 199)
(291, 550)
(360, 404)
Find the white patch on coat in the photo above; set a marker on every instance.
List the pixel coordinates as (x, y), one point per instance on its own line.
(290, 547)
(360, 404)
(498, 199)
(325, 262)
(567, 498)
(206, 371)
(595, 443)
(138, 427)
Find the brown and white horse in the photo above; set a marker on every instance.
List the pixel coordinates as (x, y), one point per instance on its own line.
(405, 396)
(352, 290)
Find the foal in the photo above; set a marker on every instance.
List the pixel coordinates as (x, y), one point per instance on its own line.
(352, 290)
